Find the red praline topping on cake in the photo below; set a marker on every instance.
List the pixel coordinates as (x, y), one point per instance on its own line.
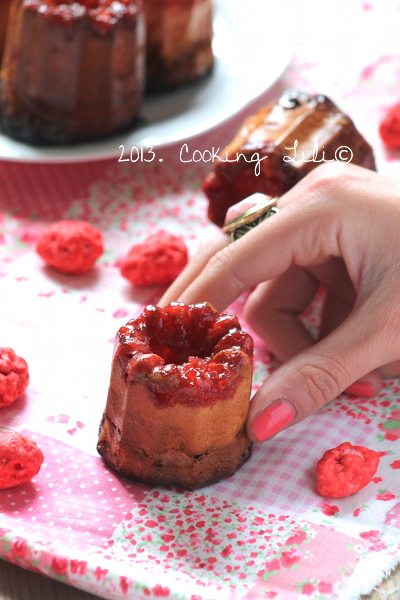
(104, 12)
(185, 353)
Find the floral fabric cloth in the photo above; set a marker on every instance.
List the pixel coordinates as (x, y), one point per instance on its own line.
(265, 533)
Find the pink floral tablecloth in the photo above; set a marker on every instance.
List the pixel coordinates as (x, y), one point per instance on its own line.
(264, 533)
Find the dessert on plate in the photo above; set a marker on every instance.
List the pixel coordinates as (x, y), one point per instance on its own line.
(72, 70)
(179, 37)
(178, 397)
(278, 145)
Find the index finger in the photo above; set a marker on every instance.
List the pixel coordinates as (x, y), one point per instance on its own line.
(302, 233)
(194, 268)
(207, 251)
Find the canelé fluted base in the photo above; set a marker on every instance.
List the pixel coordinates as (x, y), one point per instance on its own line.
(176, 467)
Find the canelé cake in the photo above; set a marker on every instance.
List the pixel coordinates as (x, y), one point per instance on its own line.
(277, 146)
(178, 397)
(179, 37)
(72, 70)
(4, 10)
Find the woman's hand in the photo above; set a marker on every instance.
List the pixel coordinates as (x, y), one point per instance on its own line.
(339, 227)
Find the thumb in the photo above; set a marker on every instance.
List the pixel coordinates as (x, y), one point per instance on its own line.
(318, 374)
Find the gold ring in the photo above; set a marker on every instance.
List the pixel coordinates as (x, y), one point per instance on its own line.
(252, 217)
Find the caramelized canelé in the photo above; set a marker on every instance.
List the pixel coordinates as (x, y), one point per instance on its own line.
(279, 145)
(179, 42)
(71, 70)
(178, 397)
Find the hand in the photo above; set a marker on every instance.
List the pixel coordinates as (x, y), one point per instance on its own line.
(339, 227)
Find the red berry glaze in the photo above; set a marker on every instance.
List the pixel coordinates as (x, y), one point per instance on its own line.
(345, 470)
(158, 260)
(20, 459)
(71, 246)
(103, 13)
(187, 348)
(14, 376)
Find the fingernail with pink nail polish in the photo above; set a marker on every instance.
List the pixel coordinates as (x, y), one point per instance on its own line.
(364, 390)
(272, 420)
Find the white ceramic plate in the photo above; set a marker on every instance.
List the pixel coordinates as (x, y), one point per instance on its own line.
(252, 48)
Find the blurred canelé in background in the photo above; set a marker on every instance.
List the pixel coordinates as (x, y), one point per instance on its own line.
(278, 145)
(71, 71)
(179, 37)
(4, 10)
